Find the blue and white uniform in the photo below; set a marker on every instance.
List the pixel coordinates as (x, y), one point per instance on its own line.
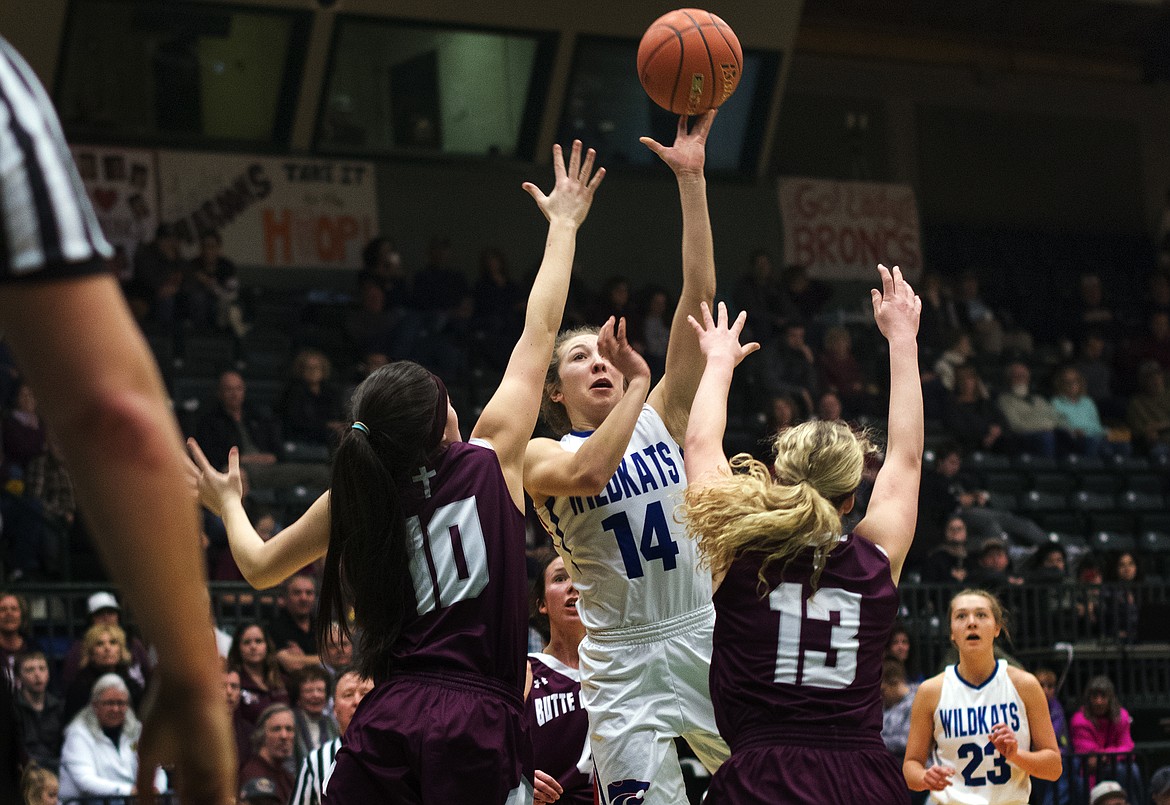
(962, 726)
(646, 606)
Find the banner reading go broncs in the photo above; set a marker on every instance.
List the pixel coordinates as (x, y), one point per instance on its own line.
(842, 230)
(272, 211)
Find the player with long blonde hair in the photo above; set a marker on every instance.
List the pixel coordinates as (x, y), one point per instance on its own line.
(803, 613)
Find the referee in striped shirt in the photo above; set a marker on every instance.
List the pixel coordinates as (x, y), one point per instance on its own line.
(316, 768)
(103, 397)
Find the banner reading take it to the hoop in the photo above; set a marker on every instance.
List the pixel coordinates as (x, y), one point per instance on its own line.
(842, 230)
(272, 211)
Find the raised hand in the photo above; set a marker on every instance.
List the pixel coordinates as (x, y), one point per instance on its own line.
(717, 340)
(689, 152)
(613, 346)
(896, 308)
(572, 193)
(215, 488)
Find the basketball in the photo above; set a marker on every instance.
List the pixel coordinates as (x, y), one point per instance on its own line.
(689, 61)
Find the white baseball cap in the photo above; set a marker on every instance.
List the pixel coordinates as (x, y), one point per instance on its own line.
(1105, 789)
(103, 600)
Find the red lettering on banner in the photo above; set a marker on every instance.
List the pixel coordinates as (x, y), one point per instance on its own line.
(277, 233)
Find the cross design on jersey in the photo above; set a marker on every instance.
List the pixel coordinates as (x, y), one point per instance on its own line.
(424, 477)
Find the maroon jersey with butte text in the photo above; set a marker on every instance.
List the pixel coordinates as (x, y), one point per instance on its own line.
(468, 570)
(559, 727)
(798, 659)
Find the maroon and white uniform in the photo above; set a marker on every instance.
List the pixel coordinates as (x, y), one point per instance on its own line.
(456, 687)
(559, 727)
(796, 676)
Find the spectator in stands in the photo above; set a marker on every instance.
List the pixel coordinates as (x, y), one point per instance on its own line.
(1097, 371)
(1120, 609)
(1055, 792)
(104, 609)
(1101, 726)
(310, 408)
(260, 791)
(900, 648)
(947, 490)
(939, 317)
(992, 570)
(373, 325)
(314, 726)
(841, 373)
(829, 407)
(803, 293)
(947, 563)
(382, 267)
(1049, 565)
(759, 292)
(655, 312)
(41, 714)
(1108, 792)
(499, 309)
(272, 750)
(1160, 786)
(15, 637)
(959, 352)
(969, 416)
(103, 651)
(1079, 415)
(1155, 344)
(897, 700)
(233, 422)
(1089, 311)
(48, 482)
(240, 725)
(158, 275)
(39, 786)
(1148, 413)
(441, 313)
(337, 653)
(614, 300)
(22, 434)
(294, 630)
(978, 316)
(787, 366)
(100, 757)
(213, 284)
(1030, 418)
(261, 683)
(316, 768)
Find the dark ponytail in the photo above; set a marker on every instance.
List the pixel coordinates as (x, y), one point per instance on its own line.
(368, 562)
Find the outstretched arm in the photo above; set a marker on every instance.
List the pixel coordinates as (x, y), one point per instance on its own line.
(264, 564)
(720, 345)
(893, 507)
(551, 470)
(672, 396)
(510, 415)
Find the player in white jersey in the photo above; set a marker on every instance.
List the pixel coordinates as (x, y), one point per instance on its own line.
(987, 721)
(608, 492)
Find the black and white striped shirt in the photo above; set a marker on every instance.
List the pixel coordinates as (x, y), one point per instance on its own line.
(315, 771)
(46, 219)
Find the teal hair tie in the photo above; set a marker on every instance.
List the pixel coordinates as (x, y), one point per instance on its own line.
(361, 426)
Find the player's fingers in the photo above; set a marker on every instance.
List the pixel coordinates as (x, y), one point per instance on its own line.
(740, 321)
(887, 280)
(652, 144)
(558, 161)
(596, 180)
(708, 322)
(703, 125)
(899, 280)
(575, 160)
(682, 127)
(587, 165)
(750, 347)
(620, 334)
(698, 328)
(536, 193)
(875, 296)
(197, 455)
(722, 310)
(234, 462)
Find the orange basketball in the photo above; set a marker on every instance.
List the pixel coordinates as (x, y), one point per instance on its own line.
(689, 61)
